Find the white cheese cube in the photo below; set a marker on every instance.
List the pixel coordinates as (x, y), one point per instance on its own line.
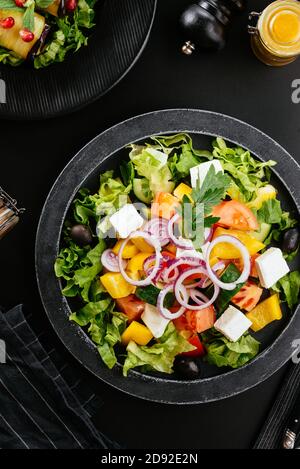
(126, 220)
(232, 324)
(271, 267)
(154, 320)
(199, 172)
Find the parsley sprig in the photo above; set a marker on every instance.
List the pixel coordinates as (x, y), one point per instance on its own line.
(196, 208)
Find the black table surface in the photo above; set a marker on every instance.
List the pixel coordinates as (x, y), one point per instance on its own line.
(33, 153)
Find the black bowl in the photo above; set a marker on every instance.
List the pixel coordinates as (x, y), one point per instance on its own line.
(121, 32)
(105, 152)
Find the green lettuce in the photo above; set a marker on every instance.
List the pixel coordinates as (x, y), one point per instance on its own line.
(223, 352)
(152, 164)
(70, 34)
(272, 213)
(8, 57)
(160, 356)
(289, 288)
(79, 267)
(248, 174)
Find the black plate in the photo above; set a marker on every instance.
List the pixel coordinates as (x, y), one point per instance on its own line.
(105, 152)
(121, 32)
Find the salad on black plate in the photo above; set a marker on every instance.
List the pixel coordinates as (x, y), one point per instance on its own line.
(180, 258)
(42, 32)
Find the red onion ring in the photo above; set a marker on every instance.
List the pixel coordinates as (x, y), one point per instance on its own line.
(110, 261)
(176, 241)
(196, 294)
(158, 227)
(154, 242)
(179, 286)
(208, 234)
(218, 266)
(175, 263)
(164, 311)
(246, 259)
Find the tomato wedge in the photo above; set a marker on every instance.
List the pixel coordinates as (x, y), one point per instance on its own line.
(248, 296)
(239, 264)
(199, 350)
(234, 214)
(200, 321)
(131, 306)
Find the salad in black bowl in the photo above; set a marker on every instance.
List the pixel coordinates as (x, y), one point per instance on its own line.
(181, 257)
(41, 32)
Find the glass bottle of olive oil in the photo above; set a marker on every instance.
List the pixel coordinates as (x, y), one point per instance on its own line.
(275, 38)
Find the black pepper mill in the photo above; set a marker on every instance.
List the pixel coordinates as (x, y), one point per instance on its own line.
(204, 24)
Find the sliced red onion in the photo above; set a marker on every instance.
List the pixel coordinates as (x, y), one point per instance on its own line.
(198, 297)
(158, 227)
(246, 259)
(175, 263)
(164, 311)
(180, 243)
(151, 240)
(207, 282)
(148, 264)
(110, 261)
(179, 288)
(208, 234)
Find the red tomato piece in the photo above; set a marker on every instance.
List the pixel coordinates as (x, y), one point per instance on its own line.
(200, 321)
(234, 214)
(248, 296)
(199, 350)
(131, 306)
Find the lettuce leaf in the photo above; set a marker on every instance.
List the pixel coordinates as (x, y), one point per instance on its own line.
(160, 356)
(69, 34)
(152, 164)
(248, 174)
(272, 213)
(79, 266)
(289, 288)
(223, 352)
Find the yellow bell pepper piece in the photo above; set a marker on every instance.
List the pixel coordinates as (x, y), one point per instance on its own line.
(263, 193)
(129, 251)
(228, 251)
(142, 245)
(265, 312)
(171, 248)
(181, 190)
(136, 263)
(116, 285)
(135, 275)
(137, 332)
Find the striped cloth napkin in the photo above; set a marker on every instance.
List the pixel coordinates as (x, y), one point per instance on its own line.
(44, 400)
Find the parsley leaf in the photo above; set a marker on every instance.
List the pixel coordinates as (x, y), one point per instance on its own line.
(28, 18)
(212, 190)
(196, 209)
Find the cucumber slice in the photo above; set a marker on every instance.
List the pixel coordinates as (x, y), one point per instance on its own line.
(142, 190)
(263, 232)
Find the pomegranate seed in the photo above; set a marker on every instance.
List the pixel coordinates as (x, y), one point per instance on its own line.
(71, 5)
(7, 23)
(26, 35)
(20, 3)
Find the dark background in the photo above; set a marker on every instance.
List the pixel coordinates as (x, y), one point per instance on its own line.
(33, 154)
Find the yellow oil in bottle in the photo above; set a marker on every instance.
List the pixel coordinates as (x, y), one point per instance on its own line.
(276, 40)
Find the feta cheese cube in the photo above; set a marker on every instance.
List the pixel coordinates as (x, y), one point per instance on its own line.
(126, 220)
(154, 320)
(232, 324)
(199, 172)
(271, 267)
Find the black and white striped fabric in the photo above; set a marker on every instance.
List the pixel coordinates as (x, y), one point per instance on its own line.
(271, 434)
(44, 403)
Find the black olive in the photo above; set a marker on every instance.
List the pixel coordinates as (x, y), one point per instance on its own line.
(81, 235)
(291, 239)
(187, 367)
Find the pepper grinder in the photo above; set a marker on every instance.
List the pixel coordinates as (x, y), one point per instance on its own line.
(204, 24)
(9, 213)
